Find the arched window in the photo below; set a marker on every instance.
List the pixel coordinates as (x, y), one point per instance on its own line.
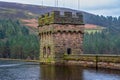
(49, 51)
(44, 51)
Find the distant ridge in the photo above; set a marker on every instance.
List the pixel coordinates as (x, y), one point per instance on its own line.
(28, 11)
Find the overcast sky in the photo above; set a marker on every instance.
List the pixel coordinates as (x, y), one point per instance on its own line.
(100, 7)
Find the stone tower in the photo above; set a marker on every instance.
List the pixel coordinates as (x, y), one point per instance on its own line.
(61, 33)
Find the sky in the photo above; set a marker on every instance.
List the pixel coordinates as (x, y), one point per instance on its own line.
(98, 7)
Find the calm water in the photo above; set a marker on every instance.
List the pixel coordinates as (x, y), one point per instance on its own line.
(14, 70)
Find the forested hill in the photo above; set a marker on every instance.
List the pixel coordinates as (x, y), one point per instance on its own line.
(16, 40)
(17, 11)
(20, 41)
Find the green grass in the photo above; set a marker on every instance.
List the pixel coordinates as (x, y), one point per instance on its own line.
(93, 31)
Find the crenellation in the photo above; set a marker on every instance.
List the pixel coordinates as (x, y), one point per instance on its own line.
(57, 17)
(68, 14)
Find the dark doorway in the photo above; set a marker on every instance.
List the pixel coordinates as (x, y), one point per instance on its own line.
(69, 51)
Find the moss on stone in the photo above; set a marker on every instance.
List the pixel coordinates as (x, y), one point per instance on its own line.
(93, 58)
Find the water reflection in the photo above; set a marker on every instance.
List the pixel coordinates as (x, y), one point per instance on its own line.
(76, 73)
(60, 73)
(29, 71)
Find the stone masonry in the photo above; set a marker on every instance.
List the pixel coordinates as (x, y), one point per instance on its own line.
(60, 34)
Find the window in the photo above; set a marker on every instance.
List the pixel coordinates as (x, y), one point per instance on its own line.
(69, 51)
(44, 51)
(49, 50)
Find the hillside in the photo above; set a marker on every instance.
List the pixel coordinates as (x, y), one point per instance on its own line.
(25, 11)
(18, 31)
(89, 28)
(17, 10)
(16, 41)
(93, 29)
(28, 14)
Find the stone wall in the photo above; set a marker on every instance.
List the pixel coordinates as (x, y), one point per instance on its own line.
(46, 47)
(68, 36)
(55, 39)
(101, 61)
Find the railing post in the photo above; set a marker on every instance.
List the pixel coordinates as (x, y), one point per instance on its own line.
(96, 62)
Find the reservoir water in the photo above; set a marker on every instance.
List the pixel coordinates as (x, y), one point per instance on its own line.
(16, 70)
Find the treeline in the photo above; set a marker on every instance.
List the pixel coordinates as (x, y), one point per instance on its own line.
(16, 41)
(102, 43)
(110, 22)
(107, 42)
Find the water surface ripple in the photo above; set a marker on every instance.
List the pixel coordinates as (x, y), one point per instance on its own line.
(16, 70)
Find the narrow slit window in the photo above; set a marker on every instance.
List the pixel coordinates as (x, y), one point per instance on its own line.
(44, 51)
(49, 51)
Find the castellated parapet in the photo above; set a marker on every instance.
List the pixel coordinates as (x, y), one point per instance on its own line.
(57, 17)
(60, 34)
